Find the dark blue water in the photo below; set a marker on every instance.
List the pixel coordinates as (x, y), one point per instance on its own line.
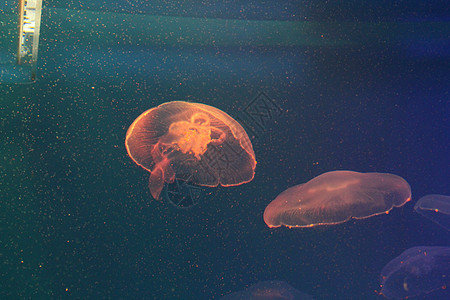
(358, 89)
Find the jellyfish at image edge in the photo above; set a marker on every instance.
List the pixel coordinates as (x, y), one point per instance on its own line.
(419, 271)
(436, 208)
(192, 140)
(269, 290)
(335, 197)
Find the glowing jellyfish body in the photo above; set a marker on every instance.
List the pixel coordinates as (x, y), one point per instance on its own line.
(269, 290)
(193, 141)
(336, 197)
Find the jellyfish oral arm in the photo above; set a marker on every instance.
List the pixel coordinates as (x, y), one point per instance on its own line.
(162, 172)
(156, 183)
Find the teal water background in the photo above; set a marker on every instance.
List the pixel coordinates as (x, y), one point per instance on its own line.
(362, 90)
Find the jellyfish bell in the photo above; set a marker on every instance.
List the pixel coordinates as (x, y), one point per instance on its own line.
(190, 140)
(335, 197)
(419, 272)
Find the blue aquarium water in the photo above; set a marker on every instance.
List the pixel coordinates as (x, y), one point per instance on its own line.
(318, 87)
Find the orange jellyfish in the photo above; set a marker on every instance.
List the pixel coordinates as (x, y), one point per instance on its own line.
(197, 142)
(336, 197)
